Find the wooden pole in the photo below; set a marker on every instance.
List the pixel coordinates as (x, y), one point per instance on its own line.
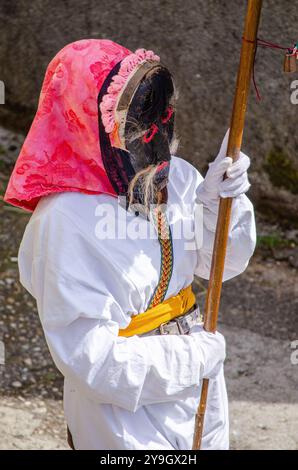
(224, 214)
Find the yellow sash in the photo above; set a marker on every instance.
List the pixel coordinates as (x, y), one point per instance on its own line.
(161, 313)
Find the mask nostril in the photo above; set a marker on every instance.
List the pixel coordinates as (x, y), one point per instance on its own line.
(150, 134)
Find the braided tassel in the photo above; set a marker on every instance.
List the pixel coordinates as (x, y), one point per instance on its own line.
(166, 268)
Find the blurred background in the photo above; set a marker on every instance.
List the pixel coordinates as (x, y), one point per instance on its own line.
(200, 42)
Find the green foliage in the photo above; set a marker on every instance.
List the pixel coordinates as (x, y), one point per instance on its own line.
(281, 170)
(271, 241)
(49, 376)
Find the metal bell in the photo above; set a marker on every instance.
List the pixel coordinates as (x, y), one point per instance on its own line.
(290, 63)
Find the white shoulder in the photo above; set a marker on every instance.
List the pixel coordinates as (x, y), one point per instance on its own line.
(184, 171)
(66, 202)
(57, 218)
(184, 180)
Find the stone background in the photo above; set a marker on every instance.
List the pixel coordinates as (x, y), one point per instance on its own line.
(200, 42)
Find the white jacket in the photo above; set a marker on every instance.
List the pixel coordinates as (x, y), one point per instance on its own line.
(137, 392)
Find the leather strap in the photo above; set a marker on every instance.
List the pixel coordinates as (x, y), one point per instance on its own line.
(180, 325)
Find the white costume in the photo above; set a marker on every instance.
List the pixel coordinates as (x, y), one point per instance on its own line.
(136, 392)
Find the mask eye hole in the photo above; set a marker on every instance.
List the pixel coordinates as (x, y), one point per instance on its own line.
(169, 112)
(150, 133)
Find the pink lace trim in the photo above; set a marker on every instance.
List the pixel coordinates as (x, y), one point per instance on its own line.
(128, 64)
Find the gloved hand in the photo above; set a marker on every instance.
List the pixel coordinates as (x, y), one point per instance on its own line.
(213, 348)
(237, 182)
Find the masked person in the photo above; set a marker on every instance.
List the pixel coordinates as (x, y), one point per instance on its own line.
(118, 312)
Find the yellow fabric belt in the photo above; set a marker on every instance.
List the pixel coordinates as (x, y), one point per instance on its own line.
(161, 313)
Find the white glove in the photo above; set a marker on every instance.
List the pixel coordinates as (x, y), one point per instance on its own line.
(213, 348)
(237, 182)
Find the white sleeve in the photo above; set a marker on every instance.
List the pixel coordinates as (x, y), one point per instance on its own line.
(241, 240)
(78, 311)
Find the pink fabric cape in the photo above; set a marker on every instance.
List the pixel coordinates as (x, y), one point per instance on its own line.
(61, 151)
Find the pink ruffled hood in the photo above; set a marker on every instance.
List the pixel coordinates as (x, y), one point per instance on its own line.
(62, 151)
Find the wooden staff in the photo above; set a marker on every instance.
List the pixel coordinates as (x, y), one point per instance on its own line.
(224, 214)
